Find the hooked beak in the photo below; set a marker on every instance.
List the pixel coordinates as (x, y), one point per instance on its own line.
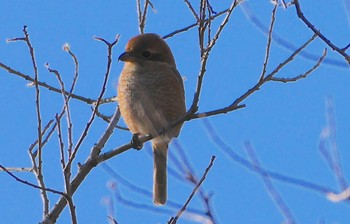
(126, 56)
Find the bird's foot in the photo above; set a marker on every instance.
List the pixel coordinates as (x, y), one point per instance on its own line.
(135, 142)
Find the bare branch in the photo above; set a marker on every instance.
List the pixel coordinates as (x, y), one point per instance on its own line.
(190, 7)
(318, 33)
(84, 169)
(269, 186)
(283, 42)
(237, 103)
(45, 140)
(122, 181)
(342, 196)
(142, 14)
(302, 76)
(43, 84)
(65, 108)
(268, 45)
(205, 52)
(30, 184)
(66, 47)
(60, 141)
(243, 162)
(173, 220)
(185, 168)
(193, 25)
(103, 89)
(331, 153)
(37, 167)
(17, 169)
(72, 210)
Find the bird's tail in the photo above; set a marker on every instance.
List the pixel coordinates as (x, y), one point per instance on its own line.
(160, 154)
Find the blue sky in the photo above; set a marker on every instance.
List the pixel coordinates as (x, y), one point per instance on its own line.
(283, 122)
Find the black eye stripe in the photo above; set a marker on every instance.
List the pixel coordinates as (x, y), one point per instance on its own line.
(146, 54)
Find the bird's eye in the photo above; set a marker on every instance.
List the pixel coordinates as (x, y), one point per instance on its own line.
(146, 54)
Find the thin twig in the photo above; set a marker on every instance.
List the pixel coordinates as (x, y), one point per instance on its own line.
(173, 220)
(142, 14)
(182, 163)
(190, 7)
(108, 118)
(276, 197)
(186, 169)
(66, 47)
(84, 170)
(318, 33)
(43, 84)
(66, 99)
(282, 42)
(60, 141)
(237, 103)
(143, 18)
(31, 184)
(103, 90)
(45, 140)
(269, 39)
(205, 52)
(72, 210)
(135, 204)
(243, 162)
(331, 153)
(184, 29)
(67, 166)
(18, 169)
(304, 75)
(210, 7)
(37, 167)
(66, 108)
(342, 196)
(122, 181)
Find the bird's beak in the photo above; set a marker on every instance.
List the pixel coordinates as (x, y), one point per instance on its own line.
(125, 57)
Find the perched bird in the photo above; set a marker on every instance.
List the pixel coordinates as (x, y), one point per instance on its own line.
(151, 96)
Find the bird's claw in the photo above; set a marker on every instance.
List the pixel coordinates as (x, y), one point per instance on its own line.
(135, 142)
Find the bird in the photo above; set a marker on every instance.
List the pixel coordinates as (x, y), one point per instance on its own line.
(151, 97)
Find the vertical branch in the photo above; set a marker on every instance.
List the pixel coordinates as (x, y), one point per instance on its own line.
(38, 167)
(139, 15)
(189, 5)
(331, 155)
(75, 78)
(201, 26)
(66, 47)
(66, 109)
(91, 162)
(206, 50)
(72, 210)
(269, 39)
(60, 140)
(142, 14)
(84, 170)
(98, 102)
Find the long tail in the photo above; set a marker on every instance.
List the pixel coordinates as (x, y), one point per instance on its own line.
(160, 154)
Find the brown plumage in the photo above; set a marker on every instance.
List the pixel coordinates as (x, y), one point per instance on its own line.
(150, 97)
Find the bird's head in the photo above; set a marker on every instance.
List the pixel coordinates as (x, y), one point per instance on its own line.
(147, 47)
